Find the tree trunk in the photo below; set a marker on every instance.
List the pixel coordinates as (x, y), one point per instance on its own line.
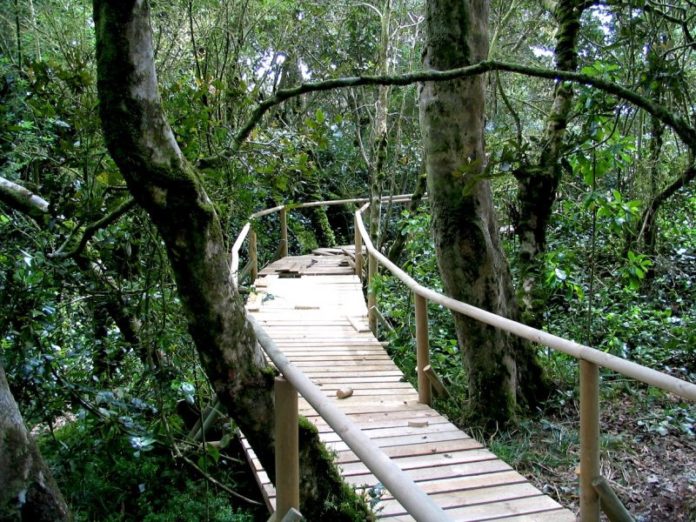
(168, 188)
(27, 489)
(537, 184)
(501, 369)
(379, 138)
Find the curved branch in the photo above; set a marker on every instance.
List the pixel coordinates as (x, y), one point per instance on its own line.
(93, 228)
(650, 211)
(679, 125)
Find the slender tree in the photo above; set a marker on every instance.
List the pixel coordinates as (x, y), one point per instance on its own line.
(538, 180)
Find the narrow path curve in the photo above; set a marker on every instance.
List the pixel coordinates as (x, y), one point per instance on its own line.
(313, 308)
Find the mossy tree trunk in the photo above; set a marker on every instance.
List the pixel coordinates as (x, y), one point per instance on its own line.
(537, 182)
(27, 489)
(142, 144)
(501, 370)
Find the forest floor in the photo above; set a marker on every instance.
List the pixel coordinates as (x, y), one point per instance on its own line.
(648, 454)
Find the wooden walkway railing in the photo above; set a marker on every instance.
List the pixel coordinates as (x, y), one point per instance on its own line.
(590, 362)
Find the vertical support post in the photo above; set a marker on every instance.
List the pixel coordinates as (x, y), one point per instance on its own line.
(422, 350)
(371, 297)
(589, 440)
(283, 247)
(358, 251)
(287, 460)
(253, 255)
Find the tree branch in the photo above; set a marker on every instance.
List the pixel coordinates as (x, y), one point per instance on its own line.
(22, 199)
(93, 228)
(679, 125)
(649, 213)
(511, 110)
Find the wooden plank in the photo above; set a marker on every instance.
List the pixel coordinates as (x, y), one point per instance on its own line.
(395, 385)
(404, 444)
(377, 433)
(354, 407)
(328, 356)
(490, 511)
(446, 472)
(389, 377)
(350, 464)
(484, 496)
(369, 426)
(415, 450)
(555, 515)
(359, 324)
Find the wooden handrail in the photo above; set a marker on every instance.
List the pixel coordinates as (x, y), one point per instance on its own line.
(590, 362)
(400, 485)
(283, 247)
(403, 489)
(636, 371)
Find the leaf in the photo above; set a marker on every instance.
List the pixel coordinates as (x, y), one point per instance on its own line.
(560, 274)
(213, 452)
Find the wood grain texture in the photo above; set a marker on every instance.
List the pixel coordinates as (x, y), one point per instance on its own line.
(313, 308)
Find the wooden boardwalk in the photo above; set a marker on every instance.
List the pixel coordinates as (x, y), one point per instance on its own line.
(313, 308)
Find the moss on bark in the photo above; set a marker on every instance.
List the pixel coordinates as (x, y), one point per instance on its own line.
(341, 504)
(537, 183)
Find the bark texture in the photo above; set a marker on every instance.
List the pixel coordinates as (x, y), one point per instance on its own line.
(537, 182)
(27, 489)
(473, 267)
(142, 144)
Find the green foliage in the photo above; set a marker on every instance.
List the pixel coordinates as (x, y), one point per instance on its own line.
(104, 477)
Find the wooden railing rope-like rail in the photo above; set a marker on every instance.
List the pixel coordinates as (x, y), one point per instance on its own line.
(590, 362)
(400, 485)
(247, 229)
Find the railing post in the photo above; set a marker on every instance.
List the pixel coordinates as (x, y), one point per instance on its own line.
(371, 297)
(253, 256)
(422, 350)
(283, 250)
(358, 251)
(287, 463)
(589, 440)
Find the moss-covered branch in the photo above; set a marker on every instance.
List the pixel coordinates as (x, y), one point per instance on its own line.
(678, 124)
(647, 221)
